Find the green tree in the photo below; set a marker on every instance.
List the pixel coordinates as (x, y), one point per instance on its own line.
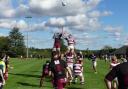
(4, 41)
(107, 47)
(16, 42)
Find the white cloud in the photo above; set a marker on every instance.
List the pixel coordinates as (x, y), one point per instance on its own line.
(86, 39)
(55, 22)
(22, 25)
(6, 9)
(55, 8)
(106, 13)
(9, 24)
(6, 23)
(39, 26)
(77, 20)
(75, 13)
(22, 11)
(97, 13)
(114, 32)
(113, 29)
(91, 4)
(46, 8)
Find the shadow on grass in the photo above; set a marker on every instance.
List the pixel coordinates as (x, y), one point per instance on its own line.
(25, 75)
(74, 88)
(27, 84)
(36, 71)
(32, 85)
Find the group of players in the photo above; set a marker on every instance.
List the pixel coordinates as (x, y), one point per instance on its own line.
(64, 68)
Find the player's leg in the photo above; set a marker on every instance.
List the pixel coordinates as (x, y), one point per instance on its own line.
(75, 78)
(81, 78)
(65, 82)
(68, 48)
(115, 83)
(94, 66)
(54, 49)
(58, 48)
(58, 51)
(72, 48)
(6, 74)
(60, 84)
(71, 68)
(41, 80)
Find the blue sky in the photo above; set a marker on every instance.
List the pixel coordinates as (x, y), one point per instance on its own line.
(93, 23)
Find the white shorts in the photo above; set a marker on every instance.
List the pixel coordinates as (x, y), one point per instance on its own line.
(71, 47)
(78, 74)
(70, 66)
(94, 63)
(56, 49)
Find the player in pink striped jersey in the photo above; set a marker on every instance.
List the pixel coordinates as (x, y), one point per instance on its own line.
(71, 42)
(78, 72)
(69, 55)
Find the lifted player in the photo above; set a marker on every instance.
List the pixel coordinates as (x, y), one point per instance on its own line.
(71, 42)
(57, 41)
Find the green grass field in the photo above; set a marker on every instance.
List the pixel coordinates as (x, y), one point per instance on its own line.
(26, 75)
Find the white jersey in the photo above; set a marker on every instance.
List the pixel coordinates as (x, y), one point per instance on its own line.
(71, 41)
(113, 64)
(77, 68)
(69, 60)
(69, 57)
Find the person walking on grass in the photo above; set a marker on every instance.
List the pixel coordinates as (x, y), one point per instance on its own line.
(94, 62)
